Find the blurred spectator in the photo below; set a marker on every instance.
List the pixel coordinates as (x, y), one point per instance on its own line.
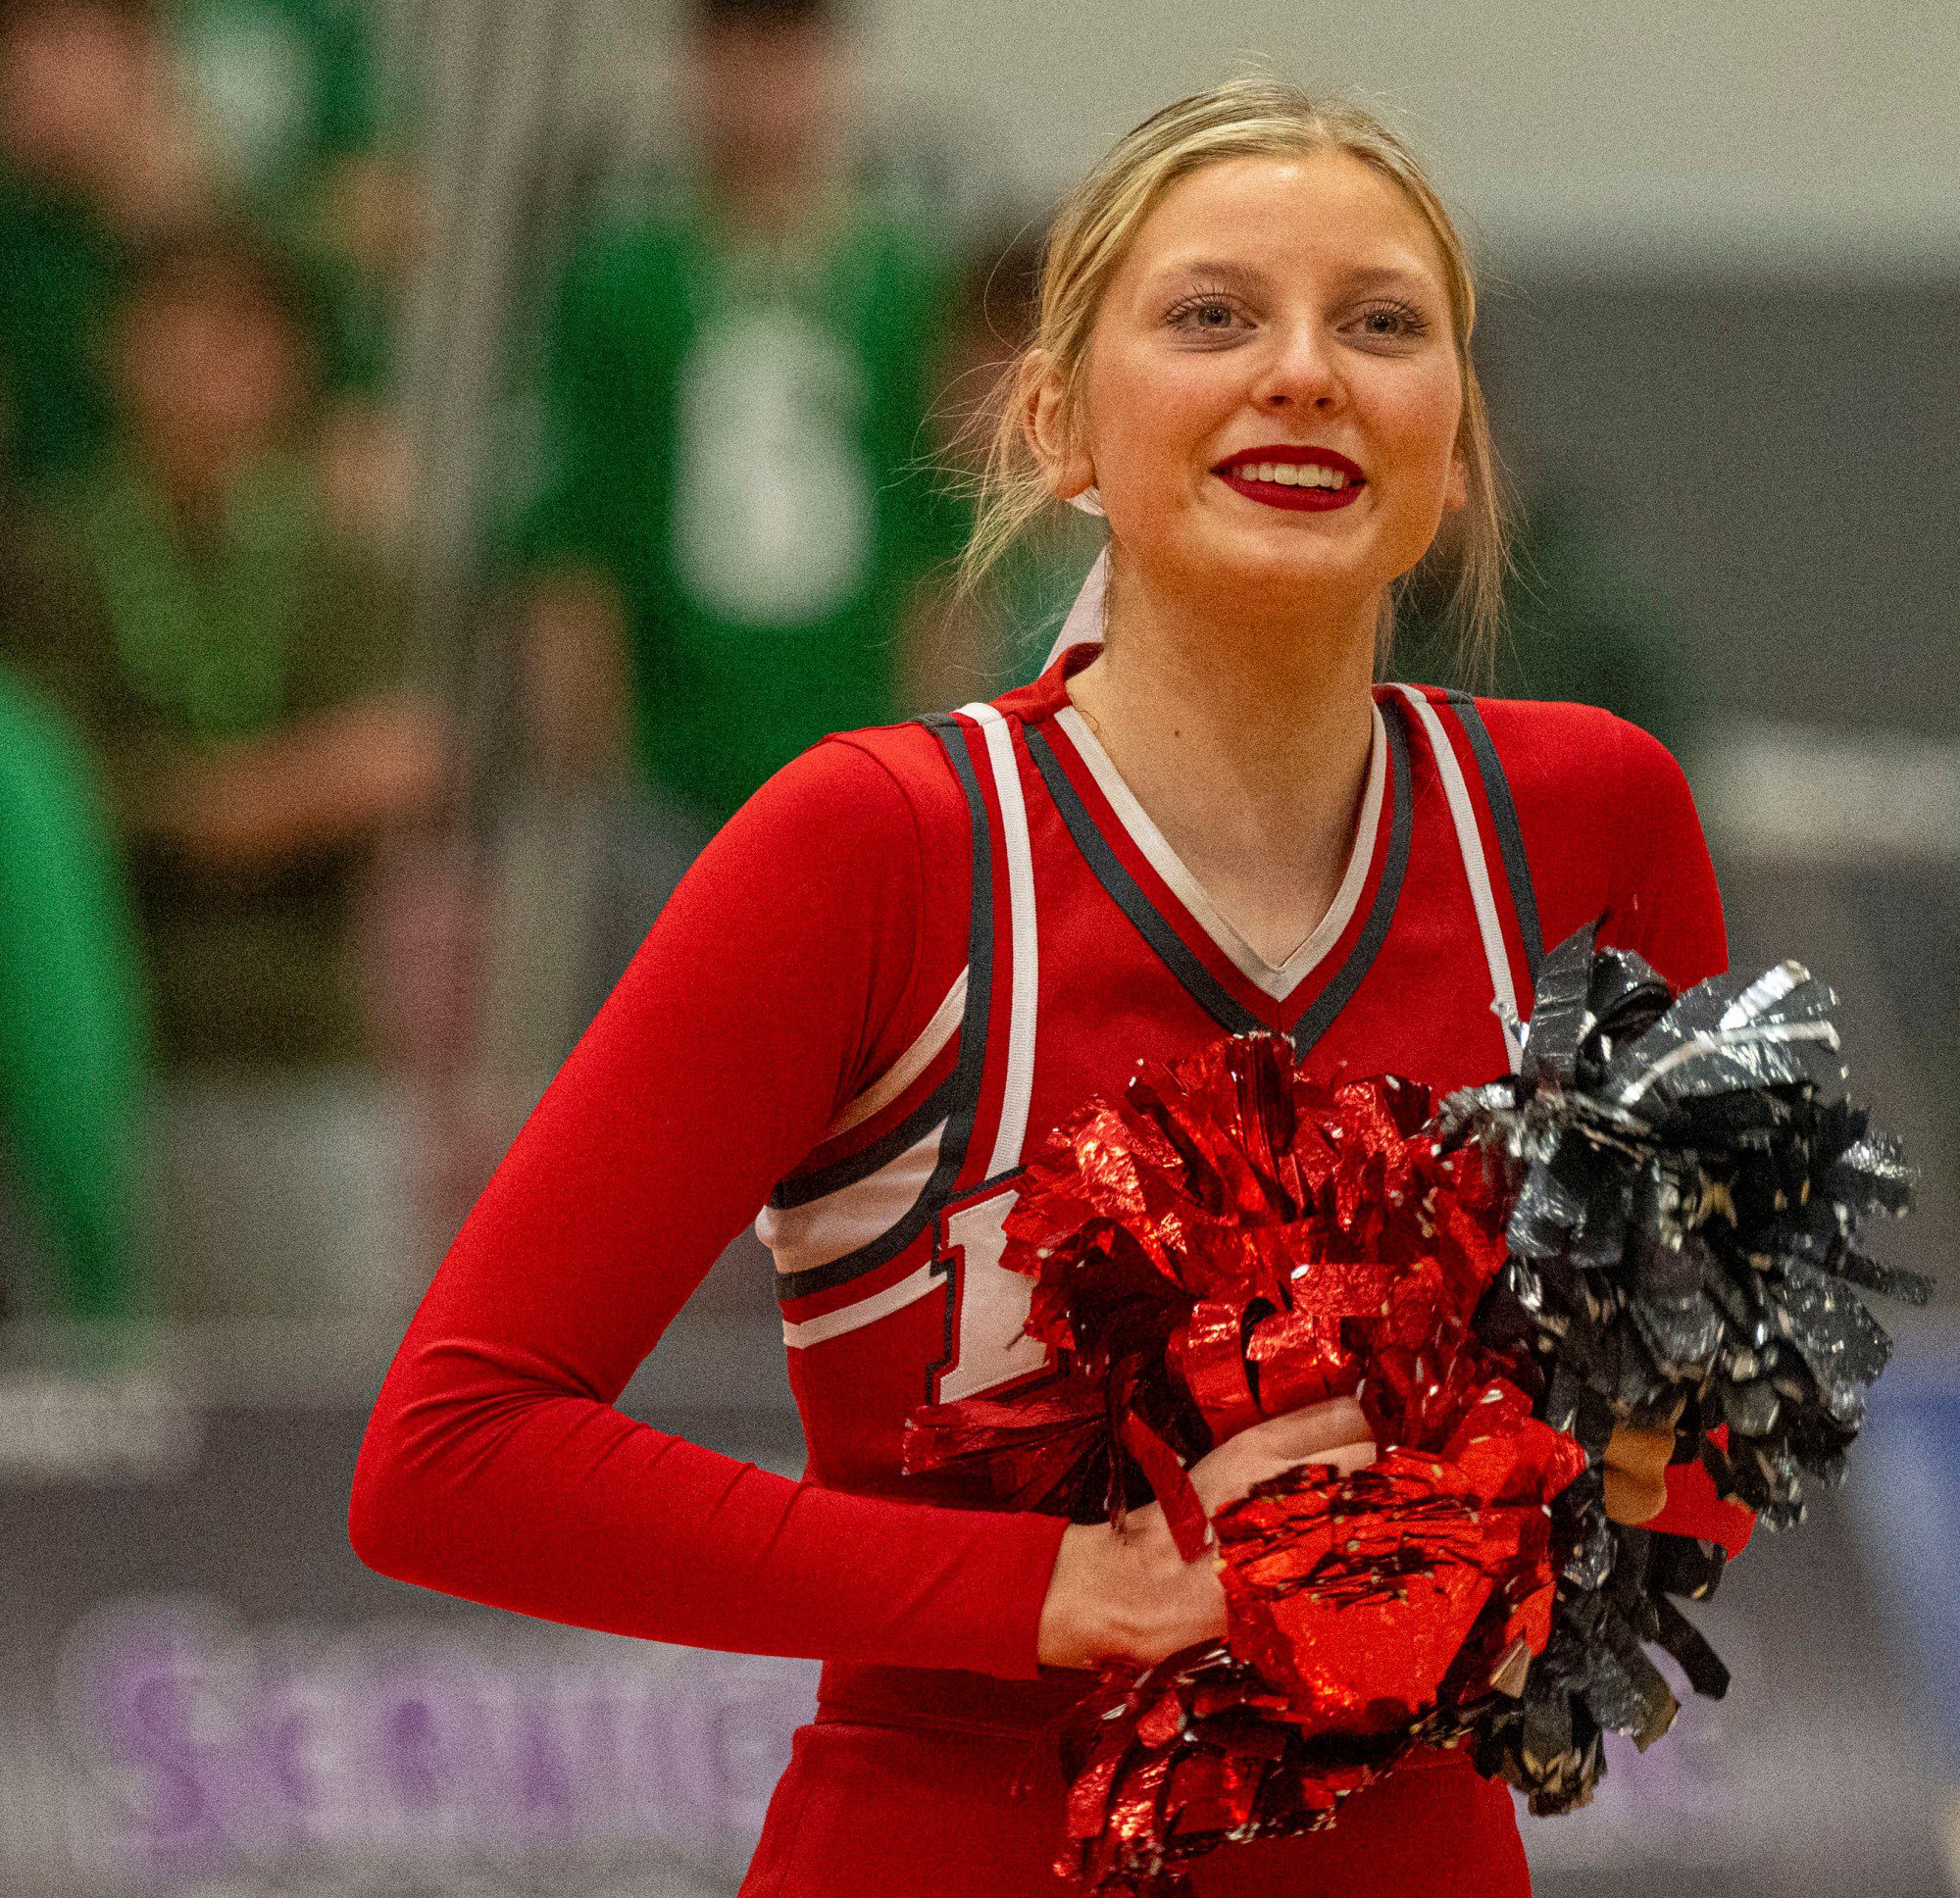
(1578, 624)
(288, 99)
(729, 555)
(93, 155)
(71, 1030)
(287, 102)
(238, 659)
(104, 147)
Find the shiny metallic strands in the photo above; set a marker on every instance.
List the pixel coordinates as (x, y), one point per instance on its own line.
(1682, 1239)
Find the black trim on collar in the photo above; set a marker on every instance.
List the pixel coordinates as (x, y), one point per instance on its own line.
(1401, 825)
(1128, 894)
(1156, 928)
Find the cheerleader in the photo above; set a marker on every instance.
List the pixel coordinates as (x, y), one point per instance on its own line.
(919, 947)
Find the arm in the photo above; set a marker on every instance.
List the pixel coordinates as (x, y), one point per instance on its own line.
(572, 672)
(572, 665)
(336, 777)
(364, 748)
(786, 968)
(1669, 909)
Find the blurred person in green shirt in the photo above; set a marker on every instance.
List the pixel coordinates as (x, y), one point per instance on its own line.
(104, 149)
(288, 97)
(94, 158)
(288, 104)
(731, 550)
(73, 1038)
(239, 660)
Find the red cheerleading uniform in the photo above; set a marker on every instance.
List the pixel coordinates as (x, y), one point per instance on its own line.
(915, 950)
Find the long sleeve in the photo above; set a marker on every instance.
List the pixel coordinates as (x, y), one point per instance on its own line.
(1669, 909)
(792, 963)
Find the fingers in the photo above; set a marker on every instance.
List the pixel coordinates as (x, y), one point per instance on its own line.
(1346, 1458)
(1639, 1451)
(1277, 1445)
(1636, 1467)
(1302, 1432)
(1235, 1468)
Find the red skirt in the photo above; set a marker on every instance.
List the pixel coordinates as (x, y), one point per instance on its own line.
(874, 1809)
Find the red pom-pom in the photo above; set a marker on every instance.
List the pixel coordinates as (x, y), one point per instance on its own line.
(1229, 1242)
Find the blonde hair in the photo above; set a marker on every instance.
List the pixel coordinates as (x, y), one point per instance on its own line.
(1250, 116)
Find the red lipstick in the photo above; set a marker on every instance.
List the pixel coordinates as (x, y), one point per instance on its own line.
(1239, 472)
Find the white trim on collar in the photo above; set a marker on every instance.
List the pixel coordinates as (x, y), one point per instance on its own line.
(1280, 981)
(1083, 625)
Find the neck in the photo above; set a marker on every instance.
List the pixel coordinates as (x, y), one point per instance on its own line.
(191, 487)
(1256, 691)
(1244, 732)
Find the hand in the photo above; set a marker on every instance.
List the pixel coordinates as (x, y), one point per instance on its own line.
(1127, 1594)
(1636, 1469)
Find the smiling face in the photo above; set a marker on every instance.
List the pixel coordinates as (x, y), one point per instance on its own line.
(1272, 397)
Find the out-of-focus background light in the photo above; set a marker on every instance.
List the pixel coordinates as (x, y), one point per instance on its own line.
(452, 450)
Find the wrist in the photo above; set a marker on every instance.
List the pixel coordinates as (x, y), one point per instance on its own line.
(1077, 1627)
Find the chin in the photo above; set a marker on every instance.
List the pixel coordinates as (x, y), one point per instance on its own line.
(1282, 567)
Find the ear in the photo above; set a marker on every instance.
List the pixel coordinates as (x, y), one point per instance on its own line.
(1065, 463)
(1456, 493)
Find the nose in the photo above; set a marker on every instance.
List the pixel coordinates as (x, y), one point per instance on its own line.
(1303, 372)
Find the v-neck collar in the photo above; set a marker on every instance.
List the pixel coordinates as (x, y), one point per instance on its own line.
(1280, 979)
(1221, 971)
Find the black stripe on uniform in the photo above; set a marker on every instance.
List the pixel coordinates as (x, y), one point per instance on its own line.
(1510, 836)
(1374, 932)
(1203, 986)
(964, 1081)
(801, 1189)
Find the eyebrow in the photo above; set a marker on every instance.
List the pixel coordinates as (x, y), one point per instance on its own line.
(1249, 277)
(1239, 276)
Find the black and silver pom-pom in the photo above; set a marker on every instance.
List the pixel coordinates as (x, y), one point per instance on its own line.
(1685, 1249)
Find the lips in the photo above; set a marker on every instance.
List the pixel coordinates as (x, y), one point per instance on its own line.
(1267, 474)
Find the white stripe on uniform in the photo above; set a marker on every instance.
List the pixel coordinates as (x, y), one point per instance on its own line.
(1470, 842)
(826, 1229)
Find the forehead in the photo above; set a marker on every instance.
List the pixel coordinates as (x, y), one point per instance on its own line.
(1327, 211)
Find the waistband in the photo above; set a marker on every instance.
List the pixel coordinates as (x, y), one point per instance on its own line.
(948, 1698)
(953, 1701)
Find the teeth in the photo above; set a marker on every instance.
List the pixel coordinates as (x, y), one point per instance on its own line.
(1294, 474)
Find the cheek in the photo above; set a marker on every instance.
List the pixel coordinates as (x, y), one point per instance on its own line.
(1153, 421)
(1423, 421)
